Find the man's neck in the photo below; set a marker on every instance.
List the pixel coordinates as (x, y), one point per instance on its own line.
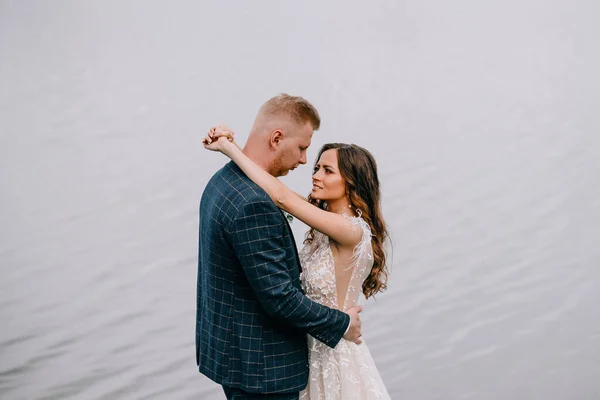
(257, 156)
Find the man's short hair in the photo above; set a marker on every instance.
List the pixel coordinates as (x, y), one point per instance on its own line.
(295, 107)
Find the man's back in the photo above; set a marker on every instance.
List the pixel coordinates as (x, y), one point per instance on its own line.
(247, 266)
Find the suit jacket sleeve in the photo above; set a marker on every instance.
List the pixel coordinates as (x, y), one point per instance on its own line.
(258, 243)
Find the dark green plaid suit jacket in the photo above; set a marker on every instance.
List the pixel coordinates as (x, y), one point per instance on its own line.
(252, 316)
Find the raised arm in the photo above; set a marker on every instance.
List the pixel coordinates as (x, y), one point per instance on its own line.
(331, 224)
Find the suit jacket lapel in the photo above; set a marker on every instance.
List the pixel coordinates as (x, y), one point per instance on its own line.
(293, 241)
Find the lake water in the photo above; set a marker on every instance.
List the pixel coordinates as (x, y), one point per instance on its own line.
(483, 117)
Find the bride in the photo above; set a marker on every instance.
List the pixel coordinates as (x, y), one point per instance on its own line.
(343, 254)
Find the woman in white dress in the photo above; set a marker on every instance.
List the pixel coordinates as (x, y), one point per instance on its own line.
(343, 254)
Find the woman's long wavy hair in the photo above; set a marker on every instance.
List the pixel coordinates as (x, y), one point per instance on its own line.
(359, 170)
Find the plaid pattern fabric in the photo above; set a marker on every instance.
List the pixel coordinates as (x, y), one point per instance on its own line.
(237, 394)
(251, 316)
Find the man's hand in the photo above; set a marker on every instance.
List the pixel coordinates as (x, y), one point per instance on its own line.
(354, 332)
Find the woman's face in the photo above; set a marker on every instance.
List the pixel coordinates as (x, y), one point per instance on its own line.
(328, 183)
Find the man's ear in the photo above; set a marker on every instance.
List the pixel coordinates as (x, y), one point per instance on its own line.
(276, 137)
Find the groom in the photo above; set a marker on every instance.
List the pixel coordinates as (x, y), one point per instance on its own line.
(252, 316)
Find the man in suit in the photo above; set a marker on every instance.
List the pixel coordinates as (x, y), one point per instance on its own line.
(252, 316)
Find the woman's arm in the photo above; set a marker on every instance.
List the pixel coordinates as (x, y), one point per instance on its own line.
(331, 224)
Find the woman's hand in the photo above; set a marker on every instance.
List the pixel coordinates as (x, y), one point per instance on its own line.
(218, 131)
(212, 140)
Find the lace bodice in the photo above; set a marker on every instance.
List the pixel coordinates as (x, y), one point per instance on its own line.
(346, 372)
(318, 268)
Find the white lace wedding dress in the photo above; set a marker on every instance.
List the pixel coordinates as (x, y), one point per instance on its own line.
(346, 372)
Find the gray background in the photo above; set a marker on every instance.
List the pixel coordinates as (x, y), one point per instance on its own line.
(483, 116)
